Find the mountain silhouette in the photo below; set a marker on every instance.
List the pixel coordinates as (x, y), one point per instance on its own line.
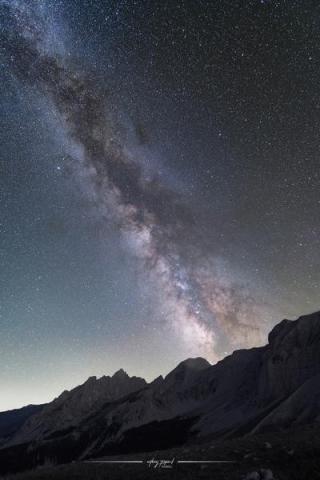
(271, 388)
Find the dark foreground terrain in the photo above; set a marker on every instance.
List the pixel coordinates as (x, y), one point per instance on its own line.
(293, 455)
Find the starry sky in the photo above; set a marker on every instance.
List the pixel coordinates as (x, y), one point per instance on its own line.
(159, 183)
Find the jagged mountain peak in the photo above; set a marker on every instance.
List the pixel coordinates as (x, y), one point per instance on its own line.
(197, 363)
(120, 374)
(303, 331)
(186, 371)
(193, 364)
(280, 330)
(157, 381)
(73, 406)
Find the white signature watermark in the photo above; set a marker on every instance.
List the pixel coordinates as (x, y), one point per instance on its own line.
(156, 463)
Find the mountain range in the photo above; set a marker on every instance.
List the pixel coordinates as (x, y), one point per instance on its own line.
(263, 389)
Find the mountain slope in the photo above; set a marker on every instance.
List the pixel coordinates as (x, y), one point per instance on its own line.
(12, 420)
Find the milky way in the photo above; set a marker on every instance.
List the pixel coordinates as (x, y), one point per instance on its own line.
(151, 218)
(208, 303)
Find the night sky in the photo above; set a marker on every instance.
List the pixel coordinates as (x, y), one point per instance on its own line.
(159, 183)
